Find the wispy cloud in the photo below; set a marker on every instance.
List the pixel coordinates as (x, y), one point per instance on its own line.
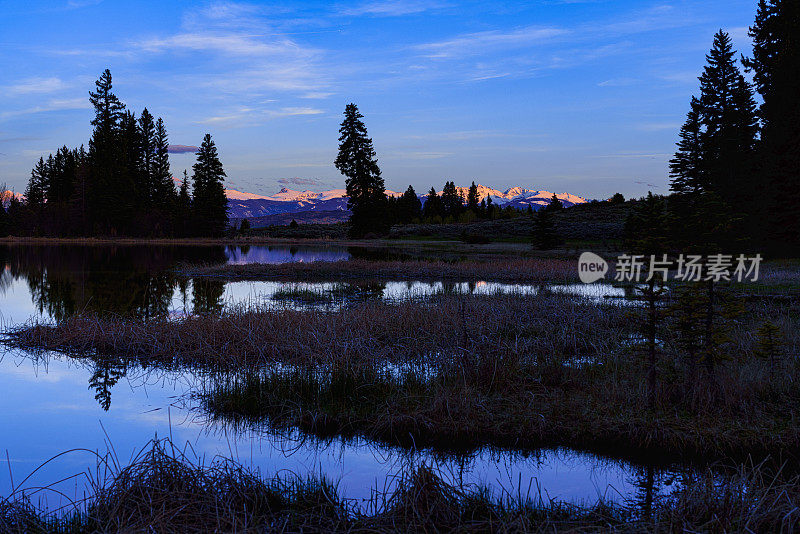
(253, 116)
(77, 4)
(35, 86)
(637, 155)
(481, 42)
(396, 8)
(618, 82)
(417, 155)
(237, 49)
(181, 149)
(464, 135)
(316, 95)
(50, 106)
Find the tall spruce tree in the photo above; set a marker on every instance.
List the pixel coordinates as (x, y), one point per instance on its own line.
(106, 200)
(452, 201)
(409, 206)
(472, 199)
(35, 191)
(555, 204)
(728, 117)
(365, 187)
(184, 207)
(686, 167)
(545, 235)
(209, 203)
(776, 73)
(5, 223)
(433, 205)
(717, 149)
(163, 186)
(147, 144)
(646, 234)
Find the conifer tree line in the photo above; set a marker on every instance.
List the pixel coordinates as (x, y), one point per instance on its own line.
(122, 184)
(451, 206)
(373, 212)
(736, 173)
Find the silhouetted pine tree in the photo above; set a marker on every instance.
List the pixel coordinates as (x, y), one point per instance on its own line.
(729, 121)
(164, 194)
(34, 192)
(409, 206)
(61, 176)
(545, 236)
(555, 204)
(5, 223)
(433, 205)
(147, 152)
(365, 188)
(132, 182)
(105, 198)
(210, 206)
(776, 72)
(717, 152)
(184, 207)
(686, 166)
(646, 234)
(452, 201)
(472, 199)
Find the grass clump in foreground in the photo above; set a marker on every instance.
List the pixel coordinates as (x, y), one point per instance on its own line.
(462, 371)
(495, 270)
(163, 491)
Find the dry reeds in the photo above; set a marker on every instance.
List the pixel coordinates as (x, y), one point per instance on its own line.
(461, 371)
(496, 270)
(162, 490)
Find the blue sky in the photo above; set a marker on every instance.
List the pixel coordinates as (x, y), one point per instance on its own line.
(579, 96)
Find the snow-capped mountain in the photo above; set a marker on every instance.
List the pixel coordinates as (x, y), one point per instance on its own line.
(520, 198)
(7, 195)
(241, 205)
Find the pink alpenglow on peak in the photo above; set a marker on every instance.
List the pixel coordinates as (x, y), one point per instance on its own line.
(7, 195)
(241, 204)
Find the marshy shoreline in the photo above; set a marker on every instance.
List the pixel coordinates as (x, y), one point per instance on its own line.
(491, 270)
(165, 490)
(508, 370)
(517, 366)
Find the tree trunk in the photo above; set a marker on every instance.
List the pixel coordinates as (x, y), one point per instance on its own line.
(651, 334)
(709, 341)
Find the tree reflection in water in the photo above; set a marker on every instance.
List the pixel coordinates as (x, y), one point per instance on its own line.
(130, 280)
(107, 372)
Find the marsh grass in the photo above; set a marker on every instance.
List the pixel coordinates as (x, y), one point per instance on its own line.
(465, 370)
(166, 490)
(496, 270)
(303, 295)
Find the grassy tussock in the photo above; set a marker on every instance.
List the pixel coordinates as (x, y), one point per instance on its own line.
(164, 491)
(372, 331)
(460, 371)
(496, 270)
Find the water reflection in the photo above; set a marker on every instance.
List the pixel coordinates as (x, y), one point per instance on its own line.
(133, 280)
(48, 411)
(107, 372)
(123, 280)
(274, 254)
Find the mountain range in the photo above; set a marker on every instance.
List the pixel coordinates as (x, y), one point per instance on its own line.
(287, 201)
(331, 206)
